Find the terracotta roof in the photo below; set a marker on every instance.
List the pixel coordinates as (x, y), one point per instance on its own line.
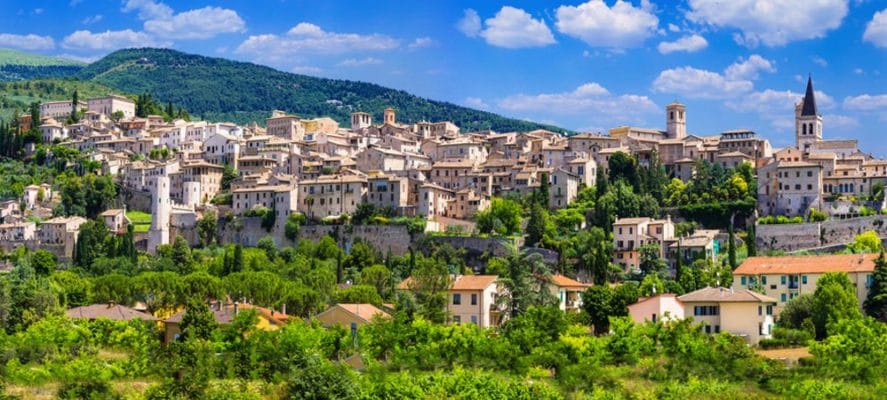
(461, 282)
(363, 311)
(818, 264)
(473, 282)
(226, 314)
(110, 311)
(725, 295)
(563, 281)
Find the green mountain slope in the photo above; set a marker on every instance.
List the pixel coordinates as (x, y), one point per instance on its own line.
(16, 96)
(220, 89)
(17, 65)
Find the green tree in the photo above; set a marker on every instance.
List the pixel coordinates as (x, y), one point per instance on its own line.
(198, 321)
(229, 174)
(361, 257)
(597, 303)
(866, 242)
(539, 226)
(377, 276)
(207, 227)
(181, 255)
(650, 262)
(527, 280)
(91, 240)
(875, 304)
(320, 379)
(796, 311)
(502, 217)
(430, 283)
(75, 106)
(625, 168)
(293, 225)
(833, 300)
(43, 262)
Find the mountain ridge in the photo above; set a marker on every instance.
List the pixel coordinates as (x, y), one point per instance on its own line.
(221, 89)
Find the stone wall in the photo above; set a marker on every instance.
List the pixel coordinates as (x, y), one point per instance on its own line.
(134, 200)
(793, 237)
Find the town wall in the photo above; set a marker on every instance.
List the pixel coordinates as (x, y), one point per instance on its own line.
(810, 236)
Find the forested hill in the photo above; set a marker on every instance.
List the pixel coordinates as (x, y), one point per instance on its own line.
(16, 66)
(220, 89)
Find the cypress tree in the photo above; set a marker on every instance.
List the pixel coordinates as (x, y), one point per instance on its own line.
(74, 101)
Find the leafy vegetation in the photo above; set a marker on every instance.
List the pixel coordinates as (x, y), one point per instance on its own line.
(219, 89)
(17, 65)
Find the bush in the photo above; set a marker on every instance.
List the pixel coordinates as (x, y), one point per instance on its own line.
(87, 389)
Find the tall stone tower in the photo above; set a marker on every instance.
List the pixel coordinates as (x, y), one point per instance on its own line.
(389, 116)
(158, 234)
(360, 120)
(808, 122)
(676, 120)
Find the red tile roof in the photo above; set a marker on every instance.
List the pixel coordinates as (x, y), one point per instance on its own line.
(563, 281)
(724, 295)
(816, 264)
(110, 311)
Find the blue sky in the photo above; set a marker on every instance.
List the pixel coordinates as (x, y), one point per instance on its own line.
(586, 66)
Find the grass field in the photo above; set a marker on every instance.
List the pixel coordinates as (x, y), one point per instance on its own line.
(141, 221)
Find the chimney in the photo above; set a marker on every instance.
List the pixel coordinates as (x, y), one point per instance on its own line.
(235, 308)
(283, 308)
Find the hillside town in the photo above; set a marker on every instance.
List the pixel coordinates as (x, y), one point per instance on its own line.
(313, 168)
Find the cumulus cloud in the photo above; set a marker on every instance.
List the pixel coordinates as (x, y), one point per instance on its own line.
(750, 68)
(771, 23)
(590, 99)
(515, 28)
(85, 40)
(26, 42)
(354, 62)
(866, 102)
(307, 38)
(840, 122)
(476, 102)
(421, 42)
(599, 25)
(148, 9)
(470, 23)
(876, 29)
(776, 102)
(690, 44)
(202, 23)
(698, 83)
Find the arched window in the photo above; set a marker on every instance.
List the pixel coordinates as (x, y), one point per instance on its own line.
(804, 129)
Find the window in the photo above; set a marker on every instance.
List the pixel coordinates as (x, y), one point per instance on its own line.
(769, 310)
(457, 319)
(474, 299)
(804, 279)
(782, 298)
(457, 299)
(474, 319)
(763, 280)
(760, 310)
(707, 329)
(717, 329)
(744, 281)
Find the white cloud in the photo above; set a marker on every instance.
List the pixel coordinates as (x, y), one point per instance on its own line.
(819, 61)
(866, 102)
(202, 23)
(749, 68)
(92, 19)
(26, 42)
(307, 38)
(876, 29)
(148, 9)
(470, 23)
(86, 40)
(776, 102)
(619, 26)
(690, 44)
(515, 28)
(590, 99)
(38, 11)
(698, 83)
(306, 69)
(768, 22)
(421, 42)
(476, 102)
(353, 62)
(673, 28)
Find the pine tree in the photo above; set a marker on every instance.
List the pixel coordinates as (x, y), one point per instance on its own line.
(544, 188)
(752, 244)
(74, 101)
(237, 265)
(875, 304)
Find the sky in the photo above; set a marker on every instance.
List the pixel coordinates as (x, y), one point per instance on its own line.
(585, 66)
